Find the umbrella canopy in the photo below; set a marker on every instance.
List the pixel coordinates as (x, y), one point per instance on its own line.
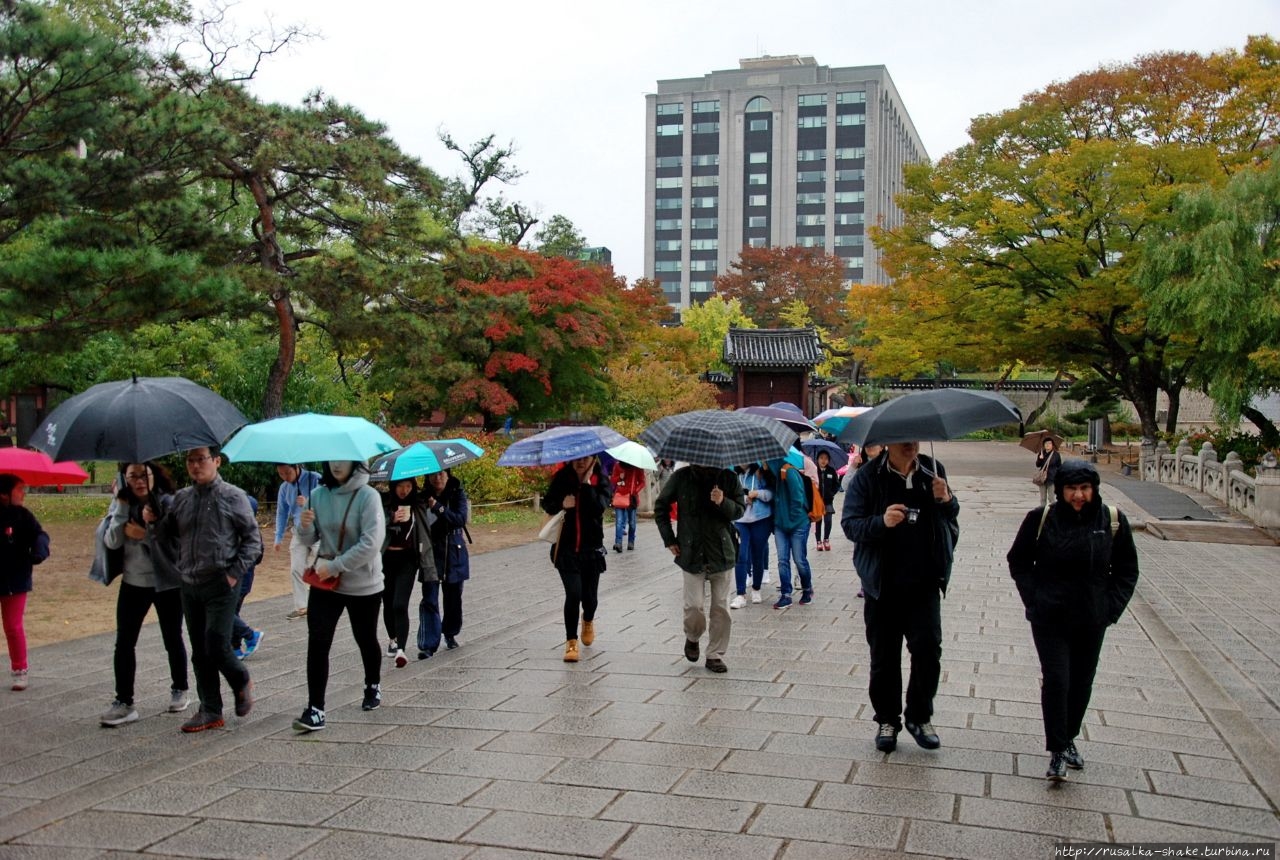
(37, 470)
(136, 420)
(634, 454)
(560, 444)
(424, 458)
(792, 416)
(308, 438)
(839, 456)
(927, 416)
(833, 421)
(713, 437)
(1035, 441)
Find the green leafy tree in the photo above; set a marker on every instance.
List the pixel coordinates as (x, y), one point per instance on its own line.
(1220, 265)
(711, 321)
(560, 238)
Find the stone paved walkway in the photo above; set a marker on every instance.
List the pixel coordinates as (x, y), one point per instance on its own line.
(499, 749)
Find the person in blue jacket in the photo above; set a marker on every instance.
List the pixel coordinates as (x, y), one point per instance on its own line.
(296, 486)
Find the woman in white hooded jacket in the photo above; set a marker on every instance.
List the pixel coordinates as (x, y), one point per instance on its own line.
(344, 517)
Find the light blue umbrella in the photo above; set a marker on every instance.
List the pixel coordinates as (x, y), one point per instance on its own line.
(560, 444)
(634, 454)
(309, 438)
(424, 458)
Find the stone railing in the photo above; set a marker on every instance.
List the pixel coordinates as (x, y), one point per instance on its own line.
(1257, 498)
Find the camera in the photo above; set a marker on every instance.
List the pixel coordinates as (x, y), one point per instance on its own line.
(913, 514)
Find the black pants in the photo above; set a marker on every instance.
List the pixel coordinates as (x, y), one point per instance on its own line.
(822, 528)
(399, 573)
(916, 618)
(209, 609)
(131, 610)
(581, 590)
(324, 608)
(1068, 661)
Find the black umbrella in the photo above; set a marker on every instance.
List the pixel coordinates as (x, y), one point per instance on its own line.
(791, 416)
(928, 416)
(713, 437)
(136, 420)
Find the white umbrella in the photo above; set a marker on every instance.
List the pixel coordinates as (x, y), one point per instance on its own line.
(633, 454)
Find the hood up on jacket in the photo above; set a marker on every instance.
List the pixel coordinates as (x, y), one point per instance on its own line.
(1077, 471)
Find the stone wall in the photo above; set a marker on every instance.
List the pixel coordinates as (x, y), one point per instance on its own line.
(1256, 497)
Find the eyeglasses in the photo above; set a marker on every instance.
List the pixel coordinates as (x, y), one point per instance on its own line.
(199, 459)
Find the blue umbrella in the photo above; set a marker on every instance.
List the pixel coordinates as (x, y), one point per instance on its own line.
(424, 458)
(839, 456)
(308, 438)
(560, 444)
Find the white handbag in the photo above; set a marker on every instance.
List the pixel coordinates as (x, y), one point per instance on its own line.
(550, 531)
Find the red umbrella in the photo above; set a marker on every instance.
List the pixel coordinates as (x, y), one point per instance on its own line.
(37, 470)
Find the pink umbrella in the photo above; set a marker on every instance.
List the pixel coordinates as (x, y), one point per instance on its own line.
(37, 470)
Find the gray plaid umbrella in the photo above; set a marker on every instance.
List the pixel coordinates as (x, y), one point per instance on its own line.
(714, 437)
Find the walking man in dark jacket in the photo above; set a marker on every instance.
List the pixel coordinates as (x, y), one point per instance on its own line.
(216, 541)
(901, 515)
(708, 500)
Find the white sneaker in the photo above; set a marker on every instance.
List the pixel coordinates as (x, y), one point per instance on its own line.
(392, 648)
(755, 595)
(739, 601)
(19, 680)
(764, 579)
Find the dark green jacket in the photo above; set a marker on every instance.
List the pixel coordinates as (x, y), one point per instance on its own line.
(706, 535)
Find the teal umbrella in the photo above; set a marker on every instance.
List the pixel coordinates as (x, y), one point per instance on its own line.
(424, 458)
(309, 438)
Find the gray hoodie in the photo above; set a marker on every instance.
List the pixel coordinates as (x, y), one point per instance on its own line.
(360, 562)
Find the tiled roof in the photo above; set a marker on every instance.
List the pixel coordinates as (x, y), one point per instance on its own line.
(772, 347)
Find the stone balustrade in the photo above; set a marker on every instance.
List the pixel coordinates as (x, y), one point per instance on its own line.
(1256, 497)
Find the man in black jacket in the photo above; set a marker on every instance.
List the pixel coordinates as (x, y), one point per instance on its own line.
(901, 515)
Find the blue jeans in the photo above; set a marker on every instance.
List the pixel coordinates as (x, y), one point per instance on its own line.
(624, 519)
(794, 543)
(753, 553)
(240, 631)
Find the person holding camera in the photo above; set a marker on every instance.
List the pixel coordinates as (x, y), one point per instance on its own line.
(902, 517)
(344, 518)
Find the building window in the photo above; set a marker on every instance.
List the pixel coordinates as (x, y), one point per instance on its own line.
(706, 161)
(851, 152)
(851, 119)
(811, 155)
(852, 262)
(670, 130)
(813, 100)
(703, 244)
(703, 202)
(667, 224)
(702, 265)
(707, 107)
(700, 286)
(667, 203)
(758, 242)
(856, 174)
(758, 221)
(811, 176)
(811, 220)
(854, 98)
(757, 179)
(704, 223)
(851, 196)
(706, 128)
(758, 125)
(669, 182)
(851, 218)
(705, 181)
(671, 109)
(848, 241)
(757, 157)
(810, 242)
(759, 104)
(758, 200)
(666, 265)
(811, 122)
(666, 245)
(669, 161)
(816, 199)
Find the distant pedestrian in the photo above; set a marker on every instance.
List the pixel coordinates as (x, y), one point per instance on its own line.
(296, 485)
(147, 578)
(628, 481)
(217, 541)
(400, 564)
(791, 532)
(344, 520)
(1076, 566)
(582, 491)
(1048, 461)
(23, 544)
(755, 529)
(828, 486)
(443, 518)
(704, 544)
(902, 517)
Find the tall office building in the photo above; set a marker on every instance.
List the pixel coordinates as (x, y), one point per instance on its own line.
(781, 151)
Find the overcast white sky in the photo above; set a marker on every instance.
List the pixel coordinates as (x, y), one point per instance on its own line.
(565, 81)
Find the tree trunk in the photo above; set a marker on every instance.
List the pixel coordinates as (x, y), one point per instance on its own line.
(282, 367)
(1267, 430)
(1175, 403)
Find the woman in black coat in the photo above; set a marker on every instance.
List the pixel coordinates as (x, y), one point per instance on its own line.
(1075, 566)
(443, 519)
(582, 491)
(1048, 461)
